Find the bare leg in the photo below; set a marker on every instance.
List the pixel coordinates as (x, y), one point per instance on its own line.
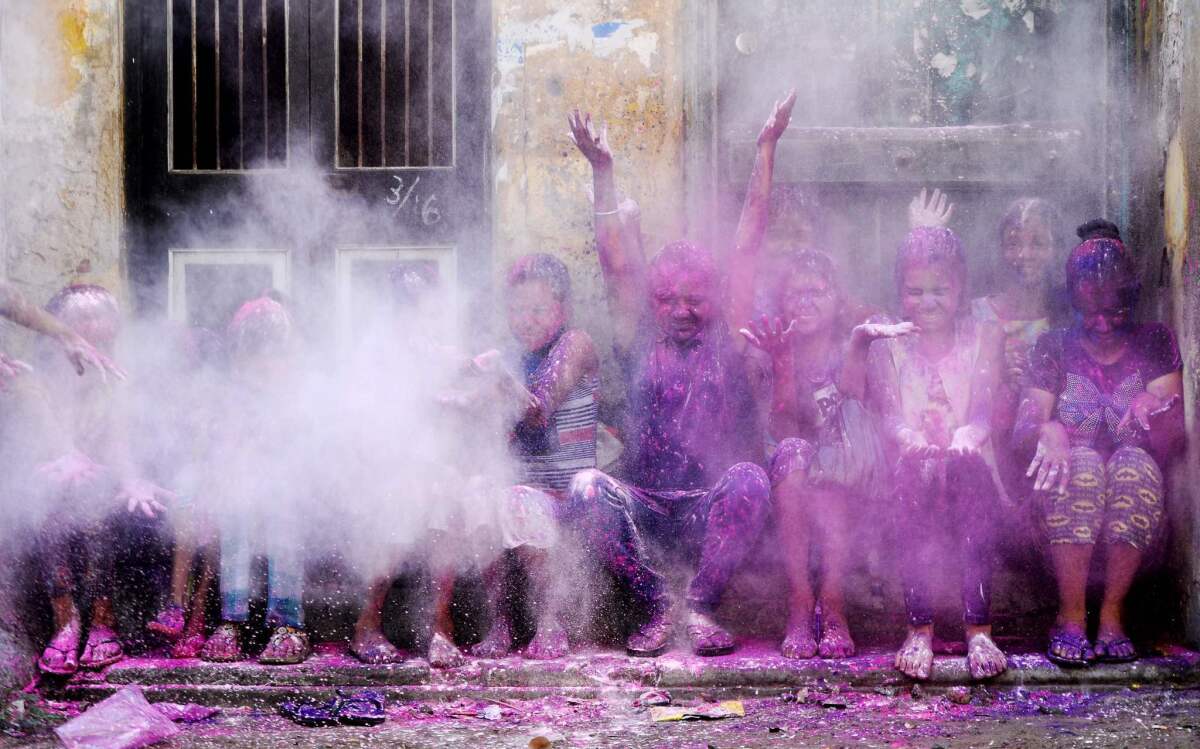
(1120, 567)
(61, 655)
(369, 644)
(551, 639)
(443, 653)
(498, 641)
(830, 513)
(192, 641)
(800, 640)
(1071, 562)
(915, 658)
(103, 646)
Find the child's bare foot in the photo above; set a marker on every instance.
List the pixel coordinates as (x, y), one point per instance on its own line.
(549, 643)
(371, 646)
(443, 653)
(915, 658)
(835, 636)
(169, 622)
(799, 642)
(984, 658)
(497, 643)
(103, 648)
(61, 656)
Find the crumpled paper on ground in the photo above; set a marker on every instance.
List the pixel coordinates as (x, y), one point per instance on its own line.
(726, 709)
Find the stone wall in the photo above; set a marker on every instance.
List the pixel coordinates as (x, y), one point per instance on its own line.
(1166, 54)
(60, 144)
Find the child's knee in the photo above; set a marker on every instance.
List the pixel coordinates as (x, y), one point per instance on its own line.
(1133, 464)
(750, 481)
(791, 461)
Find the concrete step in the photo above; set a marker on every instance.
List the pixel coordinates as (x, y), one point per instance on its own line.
(755, 670)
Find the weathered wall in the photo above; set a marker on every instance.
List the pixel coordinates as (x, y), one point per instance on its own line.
(60, 143)
(620, 59)
(1166, 102)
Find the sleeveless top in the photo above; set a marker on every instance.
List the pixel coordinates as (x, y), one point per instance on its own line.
(550, 457)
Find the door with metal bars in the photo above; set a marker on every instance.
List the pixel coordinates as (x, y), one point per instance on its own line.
(311, 146)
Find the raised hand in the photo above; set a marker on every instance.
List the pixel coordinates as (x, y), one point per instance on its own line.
(11, 369)
(966, 440)
(914, 445)
(592, 144)
(781, 116)
(145, 497)
(83, 354)
(1052, 461)
(772, 338)
(932, 210)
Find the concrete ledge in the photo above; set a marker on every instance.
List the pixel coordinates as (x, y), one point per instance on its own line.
(755, 670)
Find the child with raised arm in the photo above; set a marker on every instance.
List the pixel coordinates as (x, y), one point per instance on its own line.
(1104, 409)
(934, 392)
(90, 484)
(829, 460)
(693, 482)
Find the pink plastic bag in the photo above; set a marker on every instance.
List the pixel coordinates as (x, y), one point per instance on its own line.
(123, 721)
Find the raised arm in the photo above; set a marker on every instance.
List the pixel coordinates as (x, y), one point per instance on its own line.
(785, 418)
(742, 265)
(621, 259)
(17, 308)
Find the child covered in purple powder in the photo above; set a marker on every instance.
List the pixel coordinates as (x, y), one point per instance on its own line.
(693, 482)
(934, 392)
(249, 471)
(92, 482)
(829, 460)
(1104, 408)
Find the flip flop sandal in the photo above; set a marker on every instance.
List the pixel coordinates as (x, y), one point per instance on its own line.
(1104, 648)
(169, 623)
(1074, 641)
(98, 638)
(311, 713)
(653, 639)
(70, 662)
(362, 708)
(269, 656)
(224, 646)
(710, 641)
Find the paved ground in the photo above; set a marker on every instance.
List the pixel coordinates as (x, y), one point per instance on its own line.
(884, 717)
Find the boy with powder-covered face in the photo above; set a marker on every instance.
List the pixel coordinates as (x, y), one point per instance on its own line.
(694, 483)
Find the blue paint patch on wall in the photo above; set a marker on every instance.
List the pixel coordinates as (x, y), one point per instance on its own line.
(602, 30)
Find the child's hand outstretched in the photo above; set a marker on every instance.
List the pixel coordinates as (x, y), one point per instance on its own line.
(914, 445)
(870, 331)
(11, 369)
(1052, 462)
(936, 211)
(144, 496)
(594, 146)
(967, 440)
(774, 339)
(781, 117)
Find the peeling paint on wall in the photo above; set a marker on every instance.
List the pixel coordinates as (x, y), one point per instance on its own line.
(60, 142)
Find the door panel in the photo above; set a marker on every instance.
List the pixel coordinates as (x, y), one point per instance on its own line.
(386, 100)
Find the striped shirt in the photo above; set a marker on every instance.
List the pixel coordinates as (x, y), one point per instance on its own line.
(574, 423)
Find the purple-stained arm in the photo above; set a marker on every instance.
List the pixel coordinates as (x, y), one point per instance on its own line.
(742, 265)
(621, 259)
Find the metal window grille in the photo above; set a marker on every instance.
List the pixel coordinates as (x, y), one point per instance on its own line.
(227, 84)
(394, 83)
